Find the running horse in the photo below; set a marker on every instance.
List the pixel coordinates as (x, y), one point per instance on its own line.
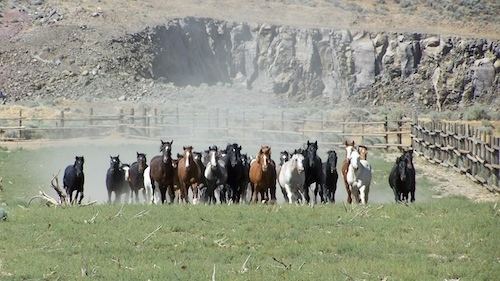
(263, 175)
(314, 172)
(162, 172)
(349, 148)
(74, 179)
(189, 175)
(136, 178)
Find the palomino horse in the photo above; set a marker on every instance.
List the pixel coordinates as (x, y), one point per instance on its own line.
(74, 179)
(235, 171)
(263, 175)
(215, 173)
(314, 172)
(116, 179)
(359, 176)
(162, 172)
(402, 177)
(189, 175)
(292, 177)
(330, 176)
(349, 147)
(136, 178)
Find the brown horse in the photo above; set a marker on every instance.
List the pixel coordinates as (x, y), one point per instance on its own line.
(263, 175)
(349, 147)
(189, 175)
(162, 171)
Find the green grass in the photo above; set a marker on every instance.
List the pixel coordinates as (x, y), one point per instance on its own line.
(450, 238)
(430, 240)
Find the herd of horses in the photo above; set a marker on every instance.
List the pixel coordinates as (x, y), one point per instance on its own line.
(226, 175)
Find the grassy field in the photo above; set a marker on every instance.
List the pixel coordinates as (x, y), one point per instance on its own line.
(433, 239)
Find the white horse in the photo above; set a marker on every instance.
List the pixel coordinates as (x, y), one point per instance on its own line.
(152, 198)
(292, 177)
(359, 176)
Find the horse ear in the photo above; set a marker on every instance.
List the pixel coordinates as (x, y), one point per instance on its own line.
(316, 143)
(239, 147)
(162, 142)
(111, 157)
(183, 148)
(137, 153)
(171, 142)
(308, 143)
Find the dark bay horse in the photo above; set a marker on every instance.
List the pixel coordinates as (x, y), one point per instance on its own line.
(189, 175)
(235, 171)
(136, 177)
(263, 175)
(330, 176)
(162, 171)
(314, 172)
(402, 178)
(116, 179)
(349, 147)
(74, 179)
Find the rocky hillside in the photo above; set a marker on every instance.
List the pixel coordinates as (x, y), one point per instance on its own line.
(429, 70)
(314, 49)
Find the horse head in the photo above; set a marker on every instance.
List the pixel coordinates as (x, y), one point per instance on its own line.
(213, 156)
(234, 153)
(354, 161)
(166, 149)
(284, 156)
(408, 155)
(349, 148)
(298, 161)
(401, 162)
(332, 160)
(188, 155)
(141, 162)
(363, 152)
(312, 148)
(264, 157)
(114, 162)
(79, 165)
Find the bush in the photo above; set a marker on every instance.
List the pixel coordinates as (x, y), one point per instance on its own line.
(476, 112)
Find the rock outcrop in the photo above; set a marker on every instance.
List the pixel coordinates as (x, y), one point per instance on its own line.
(427, 69)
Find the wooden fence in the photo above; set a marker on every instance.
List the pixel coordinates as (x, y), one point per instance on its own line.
(466, 149)
(213, 125)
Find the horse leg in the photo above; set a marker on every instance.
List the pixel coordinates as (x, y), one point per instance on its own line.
(109, 196)
(272, 190)
(412, 195)
(254, 193)
(362, 192)
(81, 197)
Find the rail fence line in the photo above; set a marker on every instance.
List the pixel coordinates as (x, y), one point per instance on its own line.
(218, 125)
(466, 149)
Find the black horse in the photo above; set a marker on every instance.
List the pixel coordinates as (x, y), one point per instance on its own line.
(136, 177)
(235, 172)
(402, 177)
(74, 179)
(245, 161)
(115, 179)
(314, 169)
(330, 176)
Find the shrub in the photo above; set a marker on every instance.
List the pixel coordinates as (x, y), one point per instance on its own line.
(476, 112)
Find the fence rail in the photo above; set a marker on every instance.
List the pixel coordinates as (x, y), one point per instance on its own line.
(466, 149)
(220, 125)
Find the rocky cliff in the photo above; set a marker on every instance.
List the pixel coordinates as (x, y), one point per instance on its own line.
(427, 69)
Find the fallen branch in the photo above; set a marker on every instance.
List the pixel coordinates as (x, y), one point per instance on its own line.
(54, 182)
(119, 212)
(151, 234)
(213, 274)
(244, 266)
(92, 220)
(140, 214)
(289, 266)
(49, 201)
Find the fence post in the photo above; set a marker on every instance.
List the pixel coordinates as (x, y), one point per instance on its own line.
(227, 122)
(217, 117)
(145, 121)
(399, 135)
(121, 120)
(322, 127)
(20, 123)
(386, 130)
(177, 115)
(156, 115)
(91, 114)
(362, 133)
(132, 116)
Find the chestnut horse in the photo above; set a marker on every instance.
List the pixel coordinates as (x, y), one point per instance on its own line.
(162, 171)
(263, 175)
(349, 147)
(189, 175)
